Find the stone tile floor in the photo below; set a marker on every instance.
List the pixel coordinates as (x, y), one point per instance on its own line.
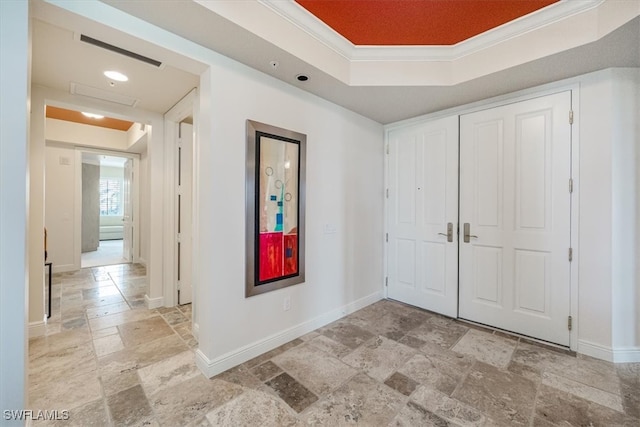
(111, 362)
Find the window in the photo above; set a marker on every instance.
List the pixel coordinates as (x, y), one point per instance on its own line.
(110, 196)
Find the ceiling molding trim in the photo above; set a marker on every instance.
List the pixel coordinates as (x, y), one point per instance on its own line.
(303, 19)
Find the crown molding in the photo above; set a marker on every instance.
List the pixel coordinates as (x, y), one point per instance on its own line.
(309, 23)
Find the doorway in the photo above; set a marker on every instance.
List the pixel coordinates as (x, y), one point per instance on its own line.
(484, 234)
(106, 210)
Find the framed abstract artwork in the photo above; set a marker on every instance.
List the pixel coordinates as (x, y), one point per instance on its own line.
(275, 208)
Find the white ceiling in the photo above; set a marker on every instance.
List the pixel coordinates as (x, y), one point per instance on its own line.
(59, 59)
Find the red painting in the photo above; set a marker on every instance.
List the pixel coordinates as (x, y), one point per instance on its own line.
(271, 253)
(290, 254)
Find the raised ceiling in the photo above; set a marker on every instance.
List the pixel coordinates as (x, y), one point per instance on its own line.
(417, 22)
(383, 83)
(77, 117)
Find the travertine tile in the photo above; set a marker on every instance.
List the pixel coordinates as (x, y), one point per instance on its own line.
(402, 370)
(142, 355)
(67, 392)
(240, 375)
(175, 318)
(54, 366)
(583, 391)
(317, 371)
(394, 326)
(447, 408)
(379, 357)
(413, 414)
(191, 399)
(361, 400)
(168, 372)
(107, 345)
(487, 348)
(294, 394)
(557, 407)
(330, 346)
(505, 397)
(93, 414)
(143, 331)
(346, 333)
(121, 318)
(444, 333)
(434, 373)
(106, 310)
(266, 371)
(401, 383)
(254, 408)
(101, 333)
(47, 344)
(113, 383)
(129, 407)
(271, 354)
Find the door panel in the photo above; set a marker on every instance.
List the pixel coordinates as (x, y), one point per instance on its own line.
(184, 212)
(127, 212)
(514, 173)
(423, 199)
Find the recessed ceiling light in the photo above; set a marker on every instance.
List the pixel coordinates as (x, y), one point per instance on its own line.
(302, 77)
(116, 75)
(92, 115)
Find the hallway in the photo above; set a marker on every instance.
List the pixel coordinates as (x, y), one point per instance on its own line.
(110, 361)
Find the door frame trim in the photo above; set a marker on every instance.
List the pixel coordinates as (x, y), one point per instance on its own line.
(135, 199)
(184, 108)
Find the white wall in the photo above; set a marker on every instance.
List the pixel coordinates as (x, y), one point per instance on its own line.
(625, 282)
(14, 213)
(608, 317)
(344, 189)
(60, 205)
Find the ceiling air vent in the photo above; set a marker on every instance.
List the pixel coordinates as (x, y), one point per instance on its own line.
(93, 92)
(120, 50)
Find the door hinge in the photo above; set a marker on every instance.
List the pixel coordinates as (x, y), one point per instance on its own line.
(387, 148)
(386, 281)
(570, 254)
(386, 237)
(570, 323)
(387, 193)
(570, 117)
(570, 185)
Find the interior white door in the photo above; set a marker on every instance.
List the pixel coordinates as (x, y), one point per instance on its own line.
(184, 212)
(515, 167)
(423, 215)
(127, 211)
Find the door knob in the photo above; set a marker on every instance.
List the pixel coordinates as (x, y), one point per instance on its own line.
(467, 233)
(449, 232)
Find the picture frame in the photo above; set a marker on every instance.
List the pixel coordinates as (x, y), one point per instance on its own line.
(275, 208)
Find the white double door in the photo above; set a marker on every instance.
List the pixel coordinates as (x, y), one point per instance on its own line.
(502, 175)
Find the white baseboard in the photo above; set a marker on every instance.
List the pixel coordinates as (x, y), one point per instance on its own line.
(153, 302)
(211, 368)
(615, 355)
(37, 329)
(626, 355)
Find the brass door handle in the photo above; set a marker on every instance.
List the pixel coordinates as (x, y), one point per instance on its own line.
(449, 234)
(467, 233)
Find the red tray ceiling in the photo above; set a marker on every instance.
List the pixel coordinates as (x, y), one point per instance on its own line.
(417, 22)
